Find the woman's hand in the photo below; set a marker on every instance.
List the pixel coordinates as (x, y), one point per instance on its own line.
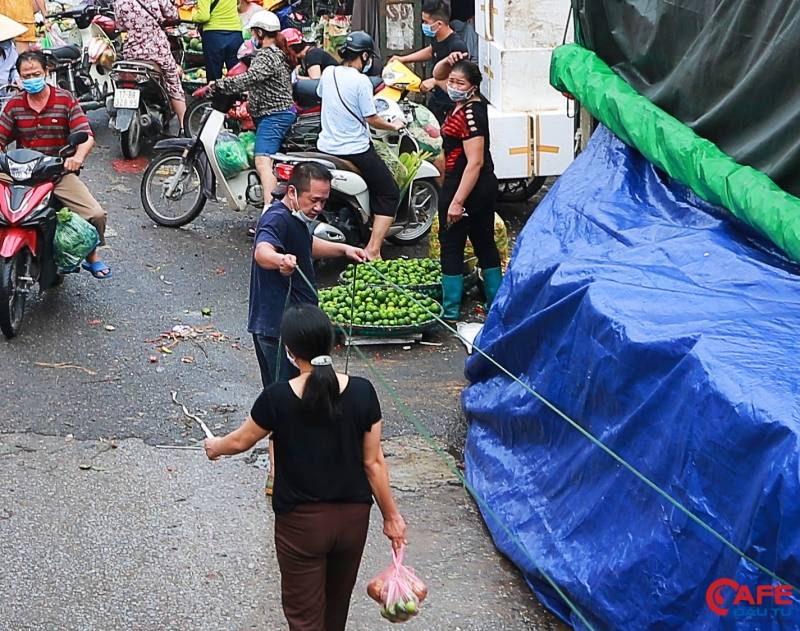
(455, 212)
(395, 528)
(452, 58)
(212, 87)
(209, 444)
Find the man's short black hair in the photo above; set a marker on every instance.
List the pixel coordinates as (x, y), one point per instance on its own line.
(32, 55)
(437, 9)
(303, 173)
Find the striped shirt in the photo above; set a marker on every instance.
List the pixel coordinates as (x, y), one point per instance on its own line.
(44, 131)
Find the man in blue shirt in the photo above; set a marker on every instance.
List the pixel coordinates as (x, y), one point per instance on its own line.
(282, 245)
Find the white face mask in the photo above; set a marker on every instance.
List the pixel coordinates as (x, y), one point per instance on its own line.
(296, 210)
(291, 360)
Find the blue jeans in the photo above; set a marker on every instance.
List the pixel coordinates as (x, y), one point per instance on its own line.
(220, 47)
(271, 130)
(271, 359)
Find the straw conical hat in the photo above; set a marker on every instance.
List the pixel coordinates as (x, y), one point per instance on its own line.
(9, 29)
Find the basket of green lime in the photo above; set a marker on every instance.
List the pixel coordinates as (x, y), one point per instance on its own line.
(420, 275)
(379, 311)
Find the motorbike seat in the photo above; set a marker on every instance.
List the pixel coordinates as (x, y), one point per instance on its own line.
(70, 51)
(339, 163)
(147, 65)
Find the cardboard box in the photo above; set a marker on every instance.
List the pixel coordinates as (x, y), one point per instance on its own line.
(482, 12)
(517, 80)
(511, 144)
(553, 142)
(529, 23)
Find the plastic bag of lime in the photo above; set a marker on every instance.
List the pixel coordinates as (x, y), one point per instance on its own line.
(398, 589)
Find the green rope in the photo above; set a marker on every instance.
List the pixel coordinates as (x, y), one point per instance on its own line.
(352, 316)
(280, 337)
(594, 440)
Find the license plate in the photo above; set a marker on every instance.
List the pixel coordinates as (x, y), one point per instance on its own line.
(126, 99)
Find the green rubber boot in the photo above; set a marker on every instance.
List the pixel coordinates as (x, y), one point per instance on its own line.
(492, 278)
(452, 288)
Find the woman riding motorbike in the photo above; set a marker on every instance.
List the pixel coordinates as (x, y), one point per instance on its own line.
(347, 109)
(146, 41)
(269, 84)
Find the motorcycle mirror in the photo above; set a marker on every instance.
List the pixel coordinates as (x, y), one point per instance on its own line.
(77, 138)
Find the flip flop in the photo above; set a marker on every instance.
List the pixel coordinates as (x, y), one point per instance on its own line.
(96, 268)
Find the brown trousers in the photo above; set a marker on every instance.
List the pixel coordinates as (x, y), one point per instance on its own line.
(319, 552)
(76, 196)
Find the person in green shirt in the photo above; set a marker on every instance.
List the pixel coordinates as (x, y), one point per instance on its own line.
(222, 34)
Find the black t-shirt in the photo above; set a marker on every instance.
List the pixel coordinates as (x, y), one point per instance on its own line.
(470, 121)
(268, 287)
(450, 44)
(321, 461)
(318, 57)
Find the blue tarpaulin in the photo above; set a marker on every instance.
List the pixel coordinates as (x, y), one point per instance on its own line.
(670, 333)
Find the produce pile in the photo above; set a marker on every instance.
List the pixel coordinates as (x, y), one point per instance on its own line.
(192, 41)
(376, 307)
(198, 75)
(403, 272)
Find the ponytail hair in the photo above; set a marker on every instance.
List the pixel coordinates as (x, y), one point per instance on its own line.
(307, 332)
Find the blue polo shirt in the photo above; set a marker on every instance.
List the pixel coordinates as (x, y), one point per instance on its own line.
(268, 288)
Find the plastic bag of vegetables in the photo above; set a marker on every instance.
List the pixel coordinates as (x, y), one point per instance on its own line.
(75, 239)
(231, 154)
(426, 130)
(398, 589)
(398, 169)
(248, 139)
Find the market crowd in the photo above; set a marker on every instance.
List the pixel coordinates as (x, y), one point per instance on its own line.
(324, 427)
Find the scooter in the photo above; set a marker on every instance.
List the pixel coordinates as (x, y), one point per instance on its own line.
(27, 227)
(140, 104)
(177, 184)
(83, 68)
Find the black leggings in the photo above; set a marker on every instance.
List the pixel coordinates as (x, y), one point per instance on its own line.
(384, 195)
(478, 225)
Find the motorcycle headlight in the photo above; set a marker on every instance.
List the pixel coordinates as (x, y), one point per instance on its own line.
(21, 171)
(43, 204)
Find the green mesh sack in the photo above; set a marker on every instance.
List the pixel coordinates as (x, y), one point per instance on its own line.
(248, 139)
(399, 171)
(231, 154)
(75, 239)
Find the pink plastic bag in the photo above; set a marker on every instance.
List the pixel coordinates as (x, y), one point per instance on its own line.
(398, 589)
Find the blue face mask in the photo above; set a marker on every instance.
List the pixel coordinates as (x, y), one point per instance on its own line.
(427, 30)
(33, 86)
(367, 68)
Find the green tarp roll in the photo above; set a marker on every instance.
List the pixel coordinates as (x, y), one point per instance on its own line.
(669, 144)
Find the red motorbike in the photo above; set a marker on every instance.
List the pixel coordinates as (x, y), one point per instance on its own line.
(27, 227)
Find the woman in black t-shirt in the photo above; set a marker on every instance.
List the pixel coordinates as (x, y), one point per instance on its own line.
(327, 432)
(466, 205)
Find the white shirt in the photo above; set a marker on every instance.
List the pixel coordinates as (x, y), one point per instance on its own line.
(342, 134)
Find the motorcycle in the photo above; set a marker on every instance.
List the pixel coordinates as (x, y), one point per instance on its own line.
(140, 104)
(83, 69)
(27, 227)
(177, 184)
